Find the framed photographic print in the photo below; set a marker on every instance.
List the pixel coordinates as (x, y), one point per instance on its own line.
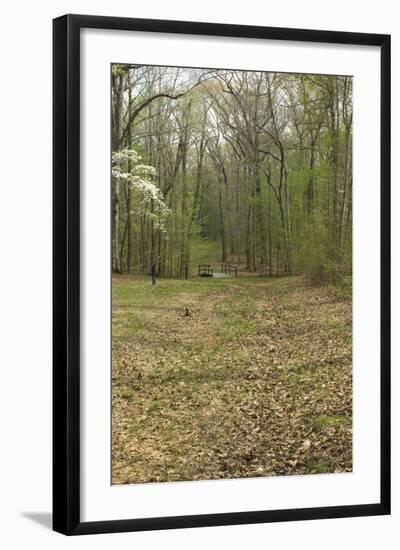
(221, 274)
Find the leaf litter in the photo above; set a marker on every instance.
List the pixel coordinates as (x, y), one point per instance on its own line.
(257, 381)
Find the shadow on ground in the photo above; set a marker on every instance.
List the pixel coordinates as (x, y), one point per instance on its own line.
(42, 518)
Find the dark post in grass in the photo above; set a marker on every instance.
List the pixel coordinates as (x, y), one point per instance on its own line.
(153, 275)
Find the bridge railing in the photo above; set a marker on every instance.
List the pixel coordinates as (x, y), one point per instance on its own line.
(229, 268)
(206, 270)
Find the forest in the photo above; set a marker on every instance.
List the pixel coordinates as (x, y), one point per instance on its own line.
(231, 274)
(259, 162)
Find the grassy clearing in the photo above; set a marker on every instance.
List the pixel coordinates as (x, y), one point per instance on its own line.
(255, 382)
(204, 251)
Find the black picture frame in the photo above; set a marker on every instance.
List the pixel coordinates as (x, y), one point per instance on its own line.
(66, 273)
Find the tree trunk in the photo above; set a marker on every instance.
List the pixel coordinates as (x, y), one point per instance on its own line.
(222, 224)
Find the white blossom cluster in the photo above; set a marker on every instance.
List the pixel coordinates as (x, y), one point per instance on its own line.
(149, 197)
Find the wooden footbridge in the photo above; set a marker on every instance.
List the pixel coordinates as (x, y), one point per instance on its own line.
(227, 270)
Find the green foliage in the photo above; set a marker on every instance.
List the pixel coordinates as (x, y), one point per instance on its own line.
(126, 394)
(225, 158)
(325, 421)
(320, 259)
(318, 467)
(346, 288)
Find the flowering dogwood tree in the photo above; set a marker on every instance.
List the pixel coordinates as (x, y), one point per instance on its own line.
(148, 198)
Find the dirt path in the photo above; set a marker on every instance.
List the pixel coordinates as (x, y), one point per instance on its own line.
(255, 381)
